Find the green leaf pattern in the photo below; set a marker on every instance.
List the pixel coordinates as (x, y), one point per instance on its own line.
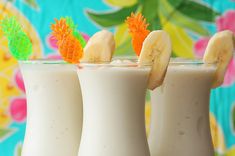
(5, 133)
(32, 3)
(111, 18)
(178, 15)
(18, 150)
(195, 10)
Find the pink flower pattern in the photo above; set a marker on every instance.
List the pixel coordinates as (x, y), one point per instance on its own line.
(200, 46)
(18, 109)
(18, 105)
(54, 56)
(224, 22)
(51, 42)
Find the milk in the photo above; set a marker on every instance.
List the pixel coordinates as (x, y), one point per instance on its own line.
(180, 112)
(113, 102)
(54, 109)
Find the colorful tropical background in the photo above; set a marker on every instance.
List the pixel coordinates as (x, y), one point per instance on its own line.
(190, 24)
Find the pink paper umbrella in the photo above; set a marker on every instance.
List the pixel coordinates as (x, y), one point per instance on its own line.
(19, 81)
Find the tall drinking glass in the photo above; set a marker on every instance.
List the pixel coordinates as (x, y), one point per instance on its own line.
(113, 102)
(180, 111)
(54, 108)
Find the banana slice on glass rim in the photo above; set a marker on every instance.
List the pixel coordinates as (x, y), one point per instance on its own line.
(220, 51)
(156, 49)
(99, 48)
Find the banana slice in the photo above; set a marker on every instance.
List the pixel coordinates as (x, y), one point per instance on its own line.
(156, 49)
(100, 47)
(220, 51)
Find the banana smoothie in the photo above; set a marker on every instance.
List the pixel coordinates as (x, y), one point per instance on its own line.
(180, 106)
(114, 92)
(113, 101)
(180, 112)
(54, 108)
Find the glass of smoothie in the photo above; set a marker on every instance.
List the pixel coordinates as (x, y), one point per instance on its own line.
(180, 106)
(54, 108)
(180, 110)
(113, 104)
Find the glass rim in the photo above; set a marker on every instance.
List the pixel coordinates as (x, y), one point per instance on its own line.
(135, 62)
(125, 61)
(130, 61)
(109, 64)
(186, 61)
(43, 61)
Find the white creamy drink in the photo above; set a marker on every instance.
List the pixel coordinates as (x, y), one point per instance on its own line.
(113, 102)
(180, 111)
(54, 108)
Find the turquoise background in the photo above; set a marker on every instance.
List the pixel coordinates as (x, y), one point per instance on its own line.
(222, 99)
